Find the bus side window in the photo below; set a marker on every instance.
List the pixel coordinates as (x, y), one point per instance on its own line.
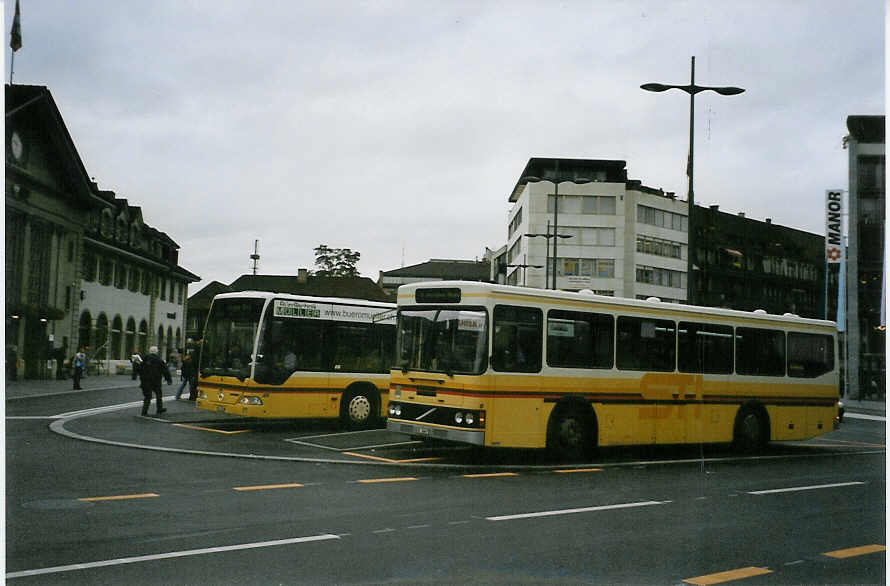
(646, 344)
(809, 355)
(759, 352)
(579, 340)
(518, 334)
(705, 348)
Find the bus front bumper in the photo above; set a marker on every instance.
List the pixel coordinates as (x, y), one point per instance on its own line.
(464, 436)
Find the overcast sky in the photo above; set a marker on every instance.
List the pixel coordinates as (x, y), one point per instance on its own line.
(398, 129)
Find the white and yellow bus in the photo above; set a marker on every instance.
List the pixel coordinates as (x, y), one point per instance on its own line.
(495, 365)
(273, 355)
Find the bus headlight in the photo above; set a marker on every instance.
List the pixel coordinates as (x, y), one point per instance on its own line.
(251, 400)
(470, 419)
(459, 418)
(395, 410)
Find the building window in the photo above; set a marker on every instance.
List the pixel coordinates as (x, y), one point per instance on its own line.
(603, 205)
(106, 271)
(662, 218)
(661, 277)
(659, 247)
(89, 266)
(120, 275)
(514, 223)
(601, 268)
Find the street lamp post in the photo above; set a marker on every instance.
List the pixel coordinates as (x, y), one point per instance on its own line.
(556, 180)
(691, 89)
(547, 258)
(525, 267)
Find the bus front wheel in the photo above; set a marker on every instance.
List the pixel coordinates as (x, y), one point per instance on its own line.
(571, 434)
(358, 408)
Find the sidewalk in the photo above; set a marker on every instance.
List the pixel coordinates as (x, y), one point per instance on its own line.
(30, 388)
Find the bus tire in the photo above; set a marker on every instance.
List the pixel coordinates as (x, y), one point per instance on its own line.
(751, 430)
(572, 431)
(359, 407)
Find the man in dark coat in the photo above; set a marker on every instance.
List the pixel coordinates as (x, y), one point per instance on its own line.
(152, 371)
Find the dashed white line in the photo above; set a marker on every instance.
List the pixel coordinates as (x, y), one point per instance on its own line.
(574, 511)
(172, 554)
(799, 488)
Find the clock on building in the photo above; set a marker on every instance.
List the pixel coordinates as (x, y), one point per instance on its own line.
(17, 146)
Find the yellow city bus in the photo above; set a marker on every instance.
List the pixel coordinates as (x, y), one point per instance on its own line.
(273, 355)
(496, 365)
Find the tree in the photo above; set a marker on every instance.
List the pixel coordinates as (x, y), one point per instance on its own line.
(336, 262)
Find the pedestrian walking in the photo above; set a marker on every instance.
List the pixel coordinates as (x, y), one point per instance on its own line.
(78, 364)
(136, 361)
(186, 373)
(153, 370)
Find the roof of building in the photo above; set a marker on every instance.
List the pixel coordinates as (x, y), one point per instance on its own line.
(350, 287)
(574, 170)
(27, 105)
(467, 270)
(866, 128)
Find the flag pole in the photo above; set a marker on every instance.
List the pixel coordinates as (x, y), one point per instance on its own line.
(11, 67)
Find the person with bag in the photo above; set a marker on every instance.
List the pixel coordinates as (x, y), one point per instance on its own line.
(136, 361)
(153, 370)
(78, 364)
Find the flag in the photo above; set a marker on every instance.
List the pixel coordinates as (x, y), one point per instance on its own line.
(15, 36)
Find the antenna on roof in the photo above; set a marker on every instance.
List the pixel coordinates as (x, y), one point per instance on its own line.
(255, 257)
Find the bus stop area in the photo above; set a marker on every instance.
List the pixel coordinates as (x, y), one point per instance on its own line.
(186, 429)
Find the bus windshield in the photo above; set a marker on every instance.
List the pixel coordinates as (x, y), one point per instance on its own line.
(228, 337)
(443, 340)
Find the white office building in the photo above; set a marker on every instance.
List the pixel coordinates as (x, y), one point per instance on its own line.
(613, 236)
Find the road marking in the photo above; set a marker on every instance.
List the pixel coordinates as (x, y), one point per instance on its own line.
(799, 488)
(577, 470)
(864, 416)
(381, 480)
(855, 551)
(267, 487)
(302, 441)
(573, 511)
(728, 576)
(169, 555)
(120, 497)
(389, 460)
(491, 475)
(382, 531)
(97, 410)
(199, 428)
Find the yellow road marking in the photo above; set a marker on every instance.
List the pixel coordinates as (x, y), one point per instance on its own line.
(854, 551)
(120, 497)
(573, 471)
(379, 480)
(727, 576)
(267, 487)
(199, 428)
(492, 475)
(382, 459)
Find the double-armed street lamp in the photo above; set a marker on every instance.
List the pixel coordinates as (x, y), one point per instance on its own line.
(691, 89)
(525, 266)
(556, 179)
(547, 257)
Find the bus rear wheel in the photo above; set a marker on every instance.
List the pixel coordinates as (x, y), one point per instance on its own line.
(571, 434)
(358, 408)
(750, 433)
